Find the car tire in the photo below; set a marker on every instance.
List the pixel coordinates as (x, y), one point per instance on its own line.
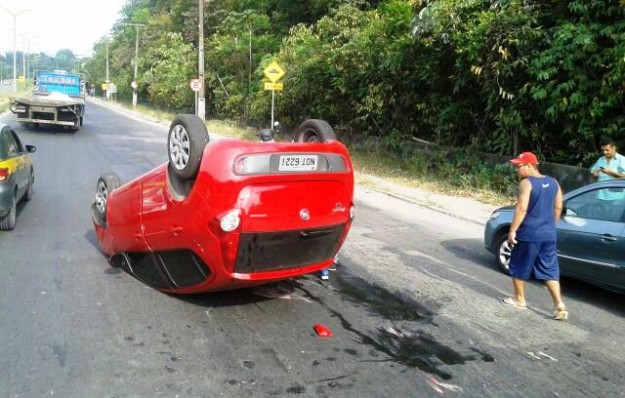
(186, 141)
(502, 253)
(29, 191)
(314, 130)
(8, 222)
(106, 184)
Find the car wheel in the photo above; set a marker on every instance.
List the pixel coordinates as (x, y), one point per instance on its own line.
(7, 223)
(76, 126)
(314, 130)
(502, 253)
(185, 142)
(29, 191)
(106, 184)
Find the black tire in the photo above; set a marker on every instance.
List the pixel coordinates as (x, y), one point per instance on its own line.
(77, 124)
(186, 141)
(29, 191)
(502, 253)
(8, 222)
(314, 130)
(106, 184)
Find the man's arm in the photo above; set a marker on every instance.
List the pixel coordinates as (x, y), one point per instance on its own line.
(525, 187)
(595, 170)
(557, 207)
(613, 173)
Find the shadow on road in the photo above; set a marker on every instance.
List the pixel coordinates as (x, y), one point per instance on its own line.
(467, 250)
(45, 129)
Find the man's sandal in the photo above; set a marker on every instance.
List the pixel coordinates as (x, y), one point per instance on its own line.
(560, 315)
(509, 301)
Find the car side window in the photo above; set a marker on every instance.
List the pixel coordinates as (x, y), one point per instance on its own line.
(18, 143)
(594, 205)
(11, 144)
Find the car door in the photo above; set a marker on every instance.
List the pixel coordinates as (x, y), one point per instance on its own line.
(23, 163)
(591, 236)
(11, 148)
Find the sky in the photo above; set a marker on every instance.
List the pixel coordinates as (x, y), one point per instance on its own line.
(52, 25)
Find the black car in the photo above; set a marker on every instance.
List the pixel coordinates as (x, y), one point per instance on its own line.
(16, 175)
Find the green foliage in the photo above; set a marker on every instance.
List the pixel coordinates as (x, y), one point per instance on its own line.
(168, 77)
(495, 76)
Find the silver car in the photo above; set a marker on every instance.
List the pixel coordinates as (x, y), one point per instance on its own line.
(591, 235)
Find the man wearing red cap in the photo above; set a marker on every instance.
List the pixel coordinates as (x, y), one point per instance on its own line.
(533, 234)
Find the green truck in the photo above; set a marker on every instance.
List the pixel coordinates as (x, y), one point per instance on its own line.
(58, 98)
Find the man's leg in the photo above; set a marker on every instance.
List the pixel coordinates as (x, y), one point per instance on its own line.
(548, 269)
(519, 291)
(554, 291)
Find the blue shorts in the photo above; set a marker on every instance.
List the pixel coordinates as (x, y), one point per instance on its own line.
(537, 258)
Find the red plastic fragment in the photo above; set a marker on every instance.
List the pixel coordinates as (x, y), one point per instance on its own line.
(322, 330)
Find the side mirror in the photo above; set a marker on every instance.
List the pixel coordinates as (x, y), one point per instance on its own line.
(266, 135)
(31, 148)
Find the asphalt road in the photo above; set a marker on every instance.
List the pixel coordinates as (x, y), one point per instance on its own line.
(413, 305)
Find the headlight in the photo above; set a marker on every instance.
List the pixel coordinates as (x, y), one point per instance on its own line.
(495, 215)
(231, 220)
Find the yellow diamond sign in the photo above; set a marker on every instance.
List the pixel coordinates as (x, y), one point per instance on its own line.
(274, 72)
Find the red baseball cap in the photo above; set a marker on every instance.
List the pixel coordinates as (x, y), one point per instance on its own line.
(525, 158)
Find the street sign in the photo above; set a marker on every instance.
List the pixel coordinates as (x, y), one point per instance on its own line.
(274, 86)
(104, 86)
(274, 72)
(112, 88)
(21, 79)
(195, 84)
(134, 85)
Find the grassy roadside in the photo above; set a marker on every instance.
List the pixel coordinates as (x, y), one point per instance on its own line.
(372, 165)
(4, 101)
(4, 98)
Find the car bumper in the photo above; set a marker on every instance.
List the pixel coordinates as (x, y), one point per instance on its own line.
(489, 236)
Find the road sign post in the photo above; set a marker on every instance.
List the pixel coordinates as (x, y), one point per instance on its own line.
(196, 86)
(111, 88)
(273, 72)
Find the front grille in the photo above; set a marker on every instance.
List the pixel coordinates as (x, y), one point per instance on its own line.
(273, 251)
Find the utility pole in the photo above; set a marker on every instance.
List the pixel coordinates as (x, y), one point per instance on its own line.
(29, 38)
(107, 68)
(200, 106)
(134, 83)
(15, 15)
(24, 58)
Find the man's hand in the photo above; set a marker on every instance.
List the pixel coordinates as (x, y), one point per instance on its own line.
(512, 238)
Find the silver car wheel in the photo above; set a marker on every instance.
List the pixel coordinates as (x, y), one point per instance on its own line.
(505, 251)
(101, 195)
(179, 147)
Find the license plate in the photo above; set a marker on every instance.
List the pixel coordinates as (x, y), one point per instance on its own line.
(298, 163)
(43, 109)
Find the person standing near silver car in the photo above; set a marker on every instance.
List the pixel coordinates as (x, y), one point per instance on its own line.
(611, 165)
(533, 234)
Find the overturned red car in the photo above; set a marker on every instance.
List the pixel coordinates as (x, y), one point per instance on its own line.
(229, 214)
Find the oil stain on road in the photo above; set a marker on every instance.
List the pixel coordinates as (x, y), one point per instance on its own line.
(413, 348)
